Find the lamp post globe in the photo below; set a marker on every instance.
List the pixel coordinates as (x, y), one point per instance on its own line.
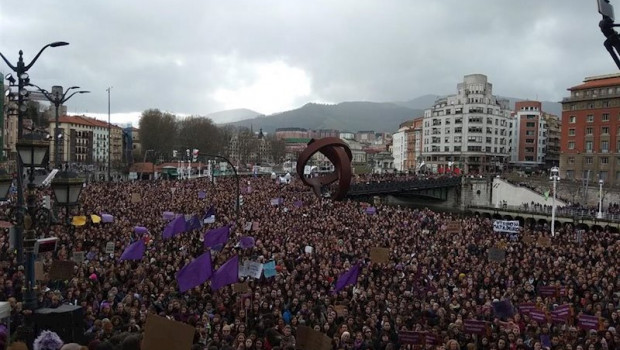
(67, 187)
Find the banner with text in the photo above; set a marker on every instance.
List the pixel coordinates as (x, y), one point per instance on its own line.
(506, 226)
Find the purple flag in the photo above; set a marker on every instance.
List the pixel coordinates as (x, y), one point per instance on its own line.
(226, 274)
(193, 224)
(195, 273)
(371, 210)
(107, 218)
(349, 277)
(175, 226)
(134, 251)
(167, 215)
(503, 309)
(246, 242)
(202, 195)
(140, 230)
(216, 236)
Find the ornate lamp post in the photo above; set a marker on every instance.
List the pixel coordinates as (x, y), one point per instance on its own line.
(555, 177)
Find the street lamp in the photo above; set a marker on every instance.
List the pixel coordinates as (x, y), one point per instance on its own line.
(21, 69)
(58, 98)
(238, 201)
(600, 199)
(32, 151)
(67, 187)
(555, 177)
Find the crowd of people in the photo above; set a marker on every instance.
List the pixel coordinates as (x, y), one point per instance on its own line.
(436, 279)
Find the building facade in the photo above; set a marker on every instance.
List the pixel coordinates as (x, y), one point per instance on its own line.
(590, 141)
(535, 136)
(473, 128)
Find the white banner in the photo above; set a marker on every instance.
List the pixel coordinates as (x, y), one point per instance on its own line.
(506, 226)
(251, 268)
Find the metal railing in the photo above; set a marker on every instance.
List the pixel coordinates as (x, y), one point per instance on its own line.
(565, 212)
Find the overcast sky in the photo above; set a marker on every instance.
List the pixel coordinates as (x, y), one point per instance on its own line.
(202, 56)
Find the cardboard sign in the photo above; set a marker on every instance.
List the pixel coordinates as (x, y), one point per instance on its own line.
(61, 270)
(135, 198)
(411, 337)
(109, 248)
(78, 257)
(529, 239)
(309, 339)
(163, 334)
(39, 272)
(241, 287)
(379, 255)
(453, 227)
(544, 242)
(497, 254)
(340, 310)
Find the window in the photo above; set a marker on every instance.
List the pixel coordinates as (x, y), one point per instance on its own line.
(530, 124)
(588, 160)
(571, 160)
(589, 131)
(570, 174)
(602, 175)
(573, 119)
(604, 160)
(531, 132)
(605, 116)
(604, 146)
(617, 176)
(529, 140)
(590, 118)
(605, 130)
(589, 146)
(571, 145)
(571, 132)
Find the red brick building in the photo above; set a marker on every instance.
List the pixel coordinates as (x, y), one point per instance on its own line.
(590, 141)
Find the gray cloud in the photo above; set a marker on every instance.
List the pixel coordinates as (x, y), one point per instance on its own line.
(184, 56)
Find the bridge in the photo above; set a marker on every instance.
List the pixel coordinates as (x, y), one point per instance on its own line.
(580, 219)
(434, 188)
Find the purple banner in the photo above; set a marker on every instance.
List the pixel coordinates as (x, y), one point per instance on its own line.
(526, 308)
(431, 339)
(588, 322)
(547, 291)
(411, 337)
(538, 316)
(475, 327)
(561, 313)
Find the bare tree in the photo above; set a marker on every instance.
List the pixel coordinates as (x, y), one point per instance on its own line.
(158, 131)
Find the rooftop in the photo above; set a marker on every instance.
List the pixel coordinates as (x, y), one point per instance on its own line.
(598, 81)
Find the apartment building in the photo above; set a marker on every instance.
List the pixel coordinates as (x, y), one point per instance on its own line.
(590, 141)
(535, 137)
(472, 128)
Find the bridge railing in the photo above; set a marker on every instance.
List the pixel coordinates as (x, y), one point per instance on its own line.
(402, 186)
(573, 213)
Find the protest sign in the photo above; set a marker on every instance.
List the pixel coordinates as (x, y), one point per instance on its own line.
(61, 270)
(475, 327)
(453, 227)
(135, 198)
(340, 310)
(109, 248)
(411, 337)
(497, 254)
(163, 334)
(309, 339)
(39, 272)
(528, 239)
(241, 287)
(379, 255)
(506, 226)
(544, 242)
(78, 257)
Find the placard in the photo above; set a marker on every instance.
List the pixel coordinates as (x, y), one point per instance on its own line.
(39, 272)
(109, 248)
(529, 239)
(506, 226)
(308, 249)
(241, 287)
(497, 254)
(475, 327)
(544, 242)
(411, 337)
(163, 334)
(453, 227)
(309, 339)
(340, 310)
(61, 270)
(135, 198)
(78, 257)
(380, 255)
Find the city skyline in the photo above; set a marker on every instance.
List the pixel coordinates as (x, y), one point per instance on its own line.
(278, 55)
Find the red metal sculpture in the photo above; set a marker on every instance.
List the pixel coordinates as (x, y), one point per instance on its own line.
(339, 154)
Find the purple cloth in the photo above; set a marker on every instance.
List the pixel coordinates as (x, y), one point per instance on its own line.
(503, 309)
(246, 242)
(174, 227)
(202, 195)
(193, 224)
(134, 251)
(347, 278)
(140, 230)
(195, 273)
(371, 210)
(216, 236)
(107, 218)
(168, 215)
(226, 274)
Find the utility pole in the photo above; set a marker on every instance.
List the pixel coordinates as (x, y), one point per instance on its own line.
(109, 137)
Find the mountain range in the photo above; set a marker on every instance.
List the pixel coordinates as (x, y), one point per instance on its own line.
(346, 116)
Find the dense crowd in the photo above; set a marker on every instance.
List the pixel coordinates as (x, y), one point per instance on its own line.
(436, 279)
